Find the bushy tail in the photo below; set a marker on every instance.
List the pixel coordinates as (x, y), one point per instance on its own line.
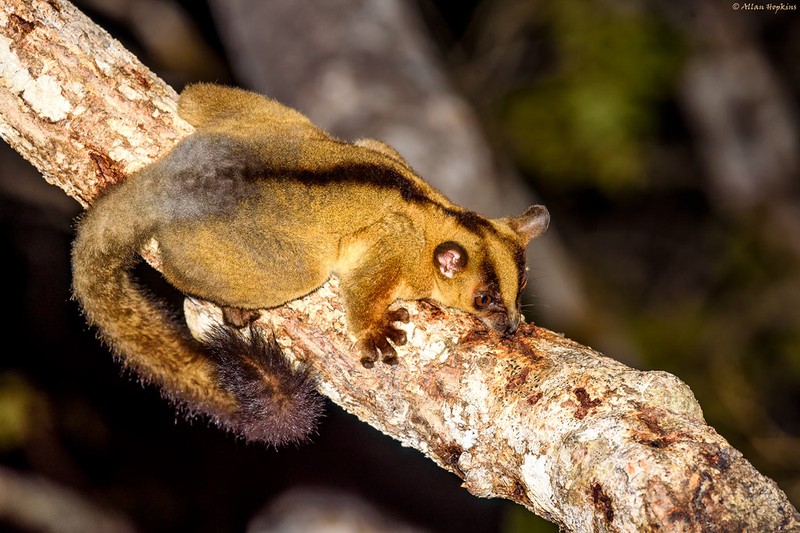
(245, 386)
(275, 402)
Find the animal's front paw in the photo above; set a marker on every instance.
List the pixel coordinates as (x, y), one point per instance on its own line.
(374, 341)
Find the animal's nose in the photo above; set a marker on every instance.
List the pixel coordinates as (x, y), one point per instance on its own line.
(511, 325)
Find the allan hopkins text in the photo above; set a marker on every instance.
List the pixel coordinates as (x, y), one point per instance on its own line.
(775, 8)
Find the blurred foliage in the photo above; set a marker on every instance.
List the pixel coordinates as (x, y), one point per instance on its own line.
(743, 322)
(17, 410)
(589, 116)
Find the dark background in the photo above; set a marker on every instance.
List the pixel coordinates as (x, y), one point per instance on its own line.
(663, 136)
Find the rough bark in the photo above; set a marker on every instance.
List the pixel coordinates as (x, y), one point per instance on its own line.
(75, 103)
(574, 436)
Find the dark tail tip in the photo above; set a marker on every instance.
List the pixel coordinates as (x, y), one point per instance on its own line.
(276, 403)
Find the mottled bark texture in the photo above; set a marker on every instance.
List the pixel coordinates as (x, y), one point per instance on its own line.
(574, 436)
(75, 103)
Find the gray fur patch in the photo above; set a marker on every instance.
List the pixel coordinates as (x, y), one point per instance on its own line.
(204, 175)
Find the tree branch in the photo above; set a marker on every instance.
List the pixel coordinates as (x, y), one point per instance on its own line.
(75, 103)
(574, 436)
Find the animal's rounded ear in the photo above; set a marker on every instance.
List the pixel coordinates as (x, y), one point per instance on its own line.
(450, 258)
(530, 224)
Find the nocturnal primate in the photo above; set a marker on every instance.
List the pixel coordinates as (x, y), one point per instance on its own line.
(258, 207)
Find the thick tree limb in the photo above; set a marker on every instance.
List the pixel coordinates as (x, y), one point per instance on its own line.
(572, 435)
(75, 103)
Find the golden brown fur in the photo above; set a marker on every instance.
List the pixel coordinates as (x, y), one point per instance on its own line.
(259, 207)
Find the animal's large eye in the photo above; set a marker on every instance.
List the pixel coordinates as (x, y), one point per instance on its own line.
(482, 300)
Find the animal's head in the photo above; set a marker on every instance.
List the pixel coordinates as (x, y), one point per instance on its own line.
(482, 270)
